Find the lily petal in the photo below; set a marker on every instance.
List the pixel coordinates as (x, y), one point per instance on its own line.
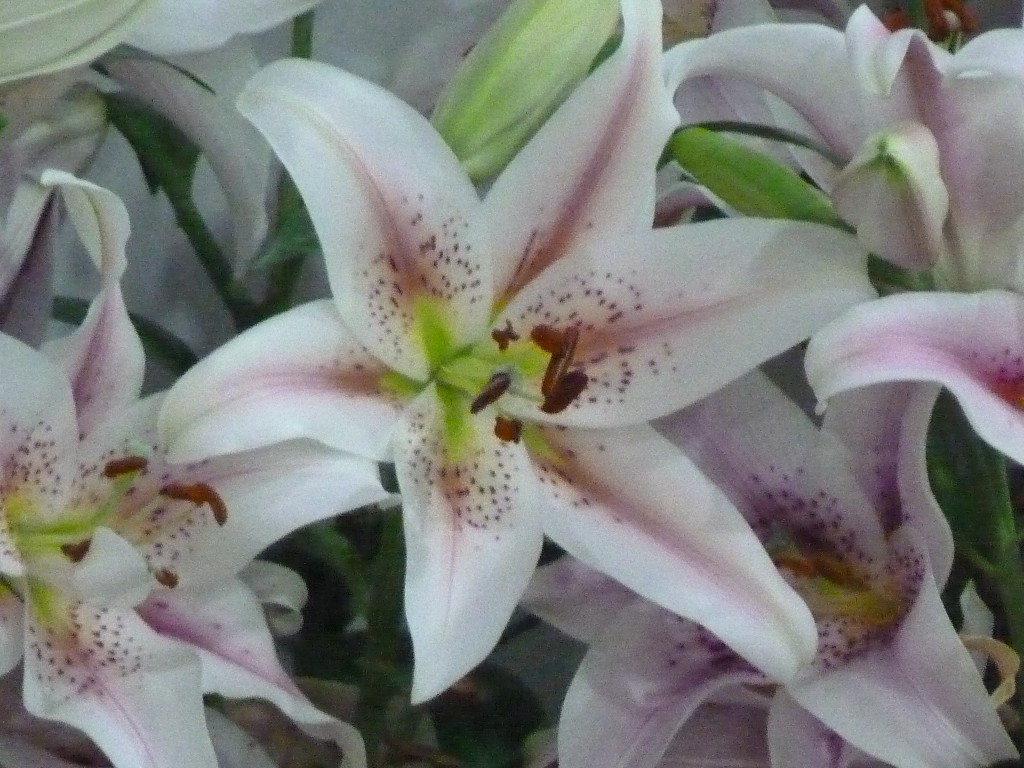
(299, 374)
(910, 337)
(472, 537)
(894, 195)
(280, 590)
(103, 357)
(171, 26)
(628, 503)
(97, 669)
(225, 625)
(399, 228)
(12, 629)
(636, 688)
(897, 709)
(665, 317)
(797, 739)
(605, 140)
(887, 452)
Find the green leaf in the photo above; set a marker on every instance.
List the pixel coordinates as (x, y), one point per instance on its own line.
(749, 181)
(167, 156)
(484, 720)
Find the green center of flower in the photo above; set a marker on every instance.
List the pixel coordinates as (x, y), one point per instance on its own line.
(833, 587)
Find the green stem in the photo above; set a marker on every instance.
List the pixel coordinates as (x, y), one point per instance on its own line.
(215, 263)
(378, 683)
(302, 36)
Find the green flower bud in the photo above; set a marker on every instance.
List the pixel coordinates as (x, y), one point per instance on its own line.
(517, 75)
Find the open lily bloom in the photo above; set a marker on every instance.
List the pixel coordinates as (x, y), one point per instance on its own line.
(119, 587)
(848, 520)
(505, 354)
(934, 145)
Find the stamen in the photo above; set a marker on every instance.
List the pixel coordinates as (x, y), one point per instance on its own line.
(560, 361)
(493, 389)
(547, 338)
(76, 552)
(198, 493)
(166, 577)
(502, 336)
(566, 389)
(507, 430)
(945, 17)
(124, 466)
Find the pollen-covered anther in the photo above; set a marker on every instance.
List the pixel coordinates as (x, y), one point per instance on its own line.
(166, 577)
(493, 389)
(124, 466)
(566, 389)
(504, 336)
(198, 493)
(76, 552)
(507, 430)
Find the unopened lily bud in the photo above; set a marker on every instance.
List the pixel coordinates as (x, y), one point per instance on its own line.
(41, 36)
(518, 73)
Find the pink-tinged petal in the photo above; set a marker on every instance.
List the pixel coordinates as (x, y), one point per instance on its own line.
(885, 428)
(111, 574)
(224, 624)
(12, 629)
(665, 317)
(628, 503)
(575, 599)
(236, 152)
(777, 57)
(103, 357)
(38, 435)
(638, 686)
(299, 374)
(605, 141)
(895, 707)
(972, 344)
(103, 671)
(797, 739)
(472, 537)
(170, 26)
(235, 747)
(206, 521)
(395, 213)
(892, 192)
(720, 735)
(996, 52)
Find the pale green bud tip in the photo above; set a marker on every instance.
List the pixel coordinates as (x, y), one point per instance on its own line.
(517, 75)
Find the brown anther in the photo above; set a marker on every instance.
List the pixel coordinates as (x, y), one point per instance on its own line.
(166, 577)
(198, 493)
(124, 466)
(567, 389)
(560, 361)
(547, 338)
(76, 552)
(507, 430)
(938, 12)
(502, 336)
(493, 389)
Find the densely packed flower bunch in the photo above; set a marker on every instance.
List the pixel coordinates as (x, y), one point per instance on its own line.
(684, 340)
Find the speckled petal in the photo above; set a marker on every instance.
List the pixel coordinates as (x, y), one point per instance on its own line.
(887, 453)
(299, 374)
(638, 686)
(12, 629)
(892, 704)
(797, 739)
(628, 503)
(588, 173)
(103, 357)
(38, 436)
(972, 344)
(396, 215)
(667, 317)
(472, 538)
(103, 671)
(224, 624)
